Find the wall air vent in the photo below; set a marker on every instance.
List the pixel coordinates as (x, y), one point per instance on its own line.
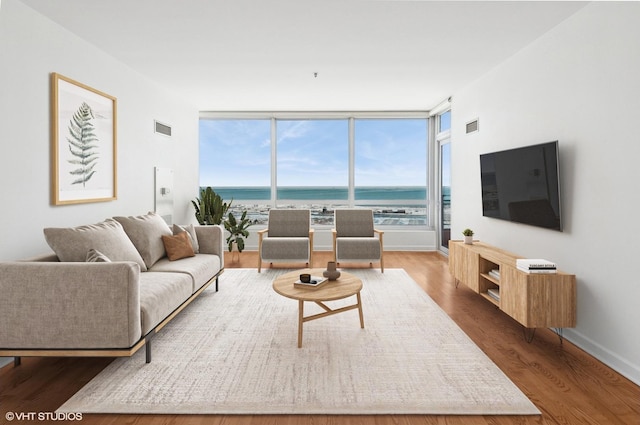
(162, 128)
(472, 126)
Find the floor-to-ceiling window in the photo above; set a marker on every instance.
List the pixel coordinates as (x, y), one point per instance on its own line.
(235, 159)
(390, 170)
(312, 165)
(443, 138)
(321, 163)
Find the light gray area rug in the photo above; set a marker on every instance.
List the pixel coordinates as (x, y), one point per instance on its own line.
(235, 352)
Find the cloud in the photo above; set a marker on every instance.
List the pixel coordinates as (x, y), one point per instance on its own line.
(315, 152)
(292, 130)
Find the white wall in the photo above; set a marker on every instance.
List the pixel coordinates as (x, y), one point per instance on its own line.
(32, 47)
(577, 84)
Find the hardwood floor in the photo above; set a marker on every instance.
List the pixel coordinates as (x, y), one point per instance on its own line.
(567, 385)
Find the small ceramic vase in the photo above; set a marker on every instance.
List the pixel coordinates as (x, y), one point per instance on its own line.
(331, 273)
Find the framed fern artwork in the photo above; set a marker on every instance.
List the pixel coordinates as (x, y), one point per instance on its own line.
(84, 132)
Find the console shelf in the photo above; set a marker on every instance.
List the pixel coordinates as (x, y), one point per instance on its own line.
(535, 300)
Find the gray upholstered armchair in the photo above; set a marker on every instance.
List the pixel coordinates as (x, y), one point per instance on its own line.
(355, 239)
(287, 239)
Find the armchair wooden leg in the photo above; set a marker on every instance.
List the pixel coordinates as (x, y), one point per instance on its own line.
(260, 237)
(380, 236)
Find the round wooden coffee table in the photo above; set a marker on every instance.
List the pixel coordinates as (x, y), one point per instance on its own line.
(345, 286)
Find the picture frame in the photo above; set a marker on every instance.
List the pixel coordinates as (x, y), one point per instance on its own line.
(83, 143)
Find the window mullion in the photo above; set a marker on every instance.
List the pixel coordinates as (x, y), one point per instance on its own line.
(352, 162)
(274, 162)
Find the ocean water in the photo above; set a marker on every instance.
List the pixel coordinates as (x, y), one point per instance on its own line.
(413, 193)
(411, 211)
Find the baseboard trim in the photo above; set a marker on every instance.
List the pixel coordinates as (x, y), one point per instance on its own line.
(615, 362)
(411, 248)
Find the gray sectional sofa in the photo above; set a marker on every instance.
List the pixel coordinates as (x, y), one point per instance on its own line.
(107, 289)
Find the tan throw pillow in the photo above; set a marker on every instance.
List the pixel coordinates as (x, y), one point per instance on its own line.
(146, 231)
(178, 246)
(95, 256)
(108, 237)
(191, 232)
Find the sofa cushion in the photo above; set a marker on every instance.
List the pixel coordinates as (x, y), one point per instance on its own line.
(146, 231)
(285, 249)
(95, 256)
(160, 294)
(358, 248)
(178, 246)
(108, 237)
(191, 231)
(200, 268)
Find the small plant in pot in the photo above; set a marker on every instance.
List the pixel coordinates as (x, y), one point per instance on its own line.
(468, 236)
(237, 230)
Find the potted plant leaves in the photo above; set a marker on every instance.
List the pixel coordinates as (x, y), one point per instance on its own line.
(210, 208)
(468, 236)
(237, 229)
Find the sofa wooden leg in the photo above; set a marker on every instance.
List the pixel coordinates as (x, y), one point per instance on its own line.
(216, 284)
(17, 361)
(147, 347)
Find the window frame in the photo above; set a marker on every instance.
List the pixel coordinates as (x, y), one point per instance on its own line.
(350, 202)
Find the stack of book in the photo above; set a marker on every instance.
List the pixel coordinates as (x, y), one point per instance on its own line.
(495, 273)
(529, 265)
(315, 282)
(494, 293)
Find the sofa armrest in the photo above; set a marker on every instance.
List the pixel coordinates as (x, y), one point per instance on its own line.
(211, 240)
(56, 305)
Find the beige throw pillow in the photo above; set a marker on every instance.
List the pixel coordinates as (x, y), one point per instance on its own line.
(95, 256)
(108, 237)
(178, 246)
(146, 231)
(191, 232)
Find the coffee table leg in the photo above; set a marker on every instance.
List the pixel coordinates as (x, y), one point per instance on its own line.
(300, 317)
(360, 310)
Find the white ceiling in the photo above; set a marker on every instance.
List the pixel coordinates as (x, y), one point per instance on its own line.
(250, 55)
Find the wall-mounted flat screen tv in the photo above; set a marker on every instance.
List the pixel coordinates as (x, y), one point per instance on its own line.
(522, 185)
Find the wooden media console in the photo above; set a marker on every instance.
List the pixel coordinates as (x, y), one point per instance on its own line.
(535, 300)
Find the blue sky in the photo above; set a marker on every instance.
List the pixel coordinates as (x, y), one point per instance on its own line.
(235, 153)
(313, 152)
(391, 152)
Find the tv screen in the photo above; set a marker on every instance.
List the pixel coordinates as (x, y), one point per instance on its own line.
(522, 185)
